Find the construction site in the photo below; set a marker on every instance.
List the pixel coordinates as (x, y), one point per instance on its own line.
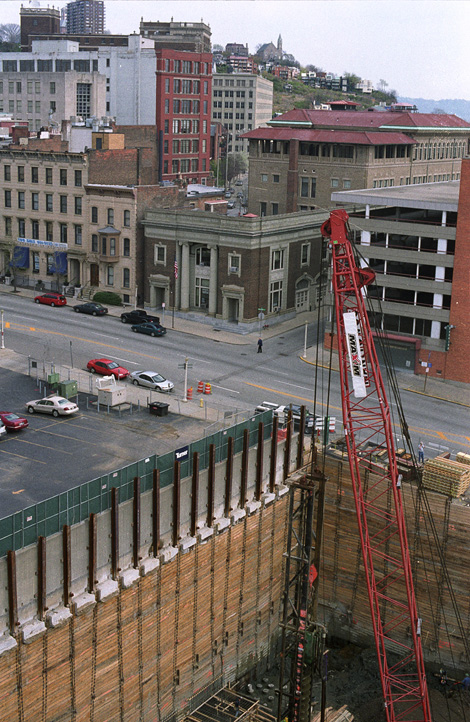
(269, 575)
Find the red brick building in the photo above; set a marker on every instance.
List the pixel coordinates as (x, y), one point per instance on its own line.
(183, 114)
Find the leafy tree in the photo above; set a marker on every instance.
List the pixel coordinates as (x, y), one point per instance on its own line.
(236, 165)
(352, 77)
(217, 48)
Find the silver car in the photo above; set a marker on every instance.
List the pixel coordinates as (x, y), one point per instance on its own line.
(151, 380)
(55, 405)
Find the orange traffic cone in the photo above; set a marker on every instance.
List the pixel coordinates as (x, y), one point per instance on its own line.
(207, 389)
(200, 387)
(189, 393)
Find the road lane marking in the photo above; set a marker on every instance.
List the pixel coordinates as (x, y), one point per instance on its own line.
(86, 340)
(305, 388)
(224, 388)
(286, 393)
(442, 436)
(51, 448)
(126, 361)
(20, 456)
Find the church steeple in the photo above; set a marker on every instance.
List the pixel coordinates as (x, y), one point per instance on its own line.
(279, 43)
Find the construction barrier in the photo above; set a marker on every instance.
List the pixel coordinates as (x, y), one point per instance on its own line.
(207, 389)
(281, 435)
(189, 393)
(200, 387)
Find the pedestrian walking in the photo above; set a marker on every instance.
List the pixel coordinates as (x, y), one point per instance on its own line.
(421, 453)
(260, 345)
(466, 682)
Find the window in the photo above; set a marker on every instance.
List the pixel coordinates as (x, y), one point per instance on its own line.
(305, 254)
(94, 214)
(203, 256)
(84, 99)
(62, 66)
(262, 208)
(35, 201)
(6, 172)
(7, 199)
(21, 227)
(44, 66)
(78, 235)
(63, 233)
(7, 226)
(50, 264)
(49, 233)
(34, 175)
(126, 247)
(346, 184)
(202, 292)
(274, 209)
(21, 174)
(126, 278)
(94, 243)
(78, 205)
(110, 275)
(304, 187)
(63, 204)
(334, 183)
(35, 230)
(234, 263)
(35, 264)
(30, 107)
(159, 254)
(52, 88)
(63, 176)
(21, 199)
(264, 177)
(78, 178)
(275, 178)
(18, 106)
(110, 216)
(37, 87)
(37, 106)
(277, 260)
(127, 219)
(49, 176)
(112, 246)
(313, 187)
(275, 296)
(49, 203)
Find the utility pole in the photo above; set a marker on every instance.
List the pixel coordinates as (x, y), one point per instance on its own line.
(3, 334)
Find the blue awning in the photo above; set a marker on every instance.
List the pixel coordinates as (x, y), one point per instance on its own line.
(20, 257)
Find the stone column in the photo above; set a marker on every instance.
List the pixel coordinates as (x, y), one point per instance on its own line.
(184, 272)
(213, 281)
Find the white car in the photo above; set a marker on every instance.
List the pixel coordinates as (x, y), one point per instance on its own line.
(54, 405)
(151, 380)
(3, 428)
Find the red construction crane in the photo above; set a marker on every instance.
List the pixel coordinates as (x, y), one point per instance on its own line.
(368, 428)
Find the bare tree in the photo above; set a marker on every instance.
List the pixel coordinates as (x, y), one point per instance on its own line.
(382, 85)
(10, 33)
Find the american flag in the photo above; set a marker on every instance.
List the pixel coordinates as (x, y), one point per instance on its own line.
(176, 268)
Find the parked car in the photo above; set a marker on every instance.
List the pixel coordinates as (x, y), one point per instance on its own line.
(230, 205)
(106, 367)
(228, 194)
(3, 429)
(92, 308)
(282, 411)
(151, 329)
(238, 183)
(138, 316)
(151, 380)
(12, 422)
(51, 299)
(55, 405)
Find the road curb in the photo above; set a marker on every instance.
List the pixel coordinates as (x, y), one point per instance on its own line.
(438, 398)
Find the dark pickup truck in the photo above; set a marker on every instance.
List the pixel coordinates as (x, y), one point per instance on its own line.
(138, 316)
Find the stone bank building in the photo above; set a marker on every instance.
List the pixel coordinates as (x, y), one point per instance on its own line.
(230, 269)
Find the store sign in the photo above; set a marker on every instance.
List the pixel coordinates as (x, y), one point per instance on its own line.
(47, 244)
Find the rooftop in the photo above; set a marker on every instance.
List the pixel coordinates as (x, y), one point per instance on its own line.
(356, 137)
(364, 119)
(442, 196)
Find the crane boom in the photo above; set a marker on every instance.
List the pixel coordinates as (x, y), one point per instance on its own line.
(377, 488)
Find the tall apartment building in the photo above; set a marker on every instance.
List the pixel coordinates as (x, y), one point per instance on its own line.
(305, 155)
(120, 80)
(85, 16)
(241, 101)
(183, 114)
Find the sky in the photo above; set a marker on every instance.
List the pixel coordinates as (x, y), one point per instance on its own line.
(420, 48)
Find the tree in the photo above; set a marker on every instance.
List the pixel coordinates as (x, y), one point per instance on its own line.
(10, 37)
(382, 85)
(352, 77)
(217, 48)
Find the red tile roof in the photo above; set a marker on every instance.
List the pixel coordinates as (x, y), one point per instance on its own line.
(351, 137)
(370, 119)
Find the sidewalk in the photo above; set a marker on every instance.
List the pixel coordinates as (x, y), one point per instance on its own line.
(441, 389)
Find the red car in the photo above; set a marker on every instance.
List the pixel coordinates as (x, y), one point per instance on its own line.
(106, 367)
(12, 421)
(51, 299)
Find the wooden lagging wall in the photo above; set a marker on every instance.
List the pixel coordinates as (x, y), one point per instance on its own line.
(209, 614)
(343, 593)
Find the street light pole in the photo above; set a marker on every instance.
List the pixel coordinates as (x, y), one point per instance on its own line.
(3, 339)
(305, 340)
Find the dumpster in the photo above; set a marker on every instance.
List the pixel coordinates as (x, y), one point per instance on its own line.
(68, 388)
(159, 408)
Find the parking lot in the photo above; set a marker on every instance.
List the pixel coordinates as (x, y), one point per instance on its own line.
(54, 455)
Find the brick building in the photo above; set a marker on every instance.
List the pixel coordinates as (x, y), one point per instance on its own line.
(303, 156)
(417, 240)
(183, 114)
(37, 21)
(75, 216)
(230, 268)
